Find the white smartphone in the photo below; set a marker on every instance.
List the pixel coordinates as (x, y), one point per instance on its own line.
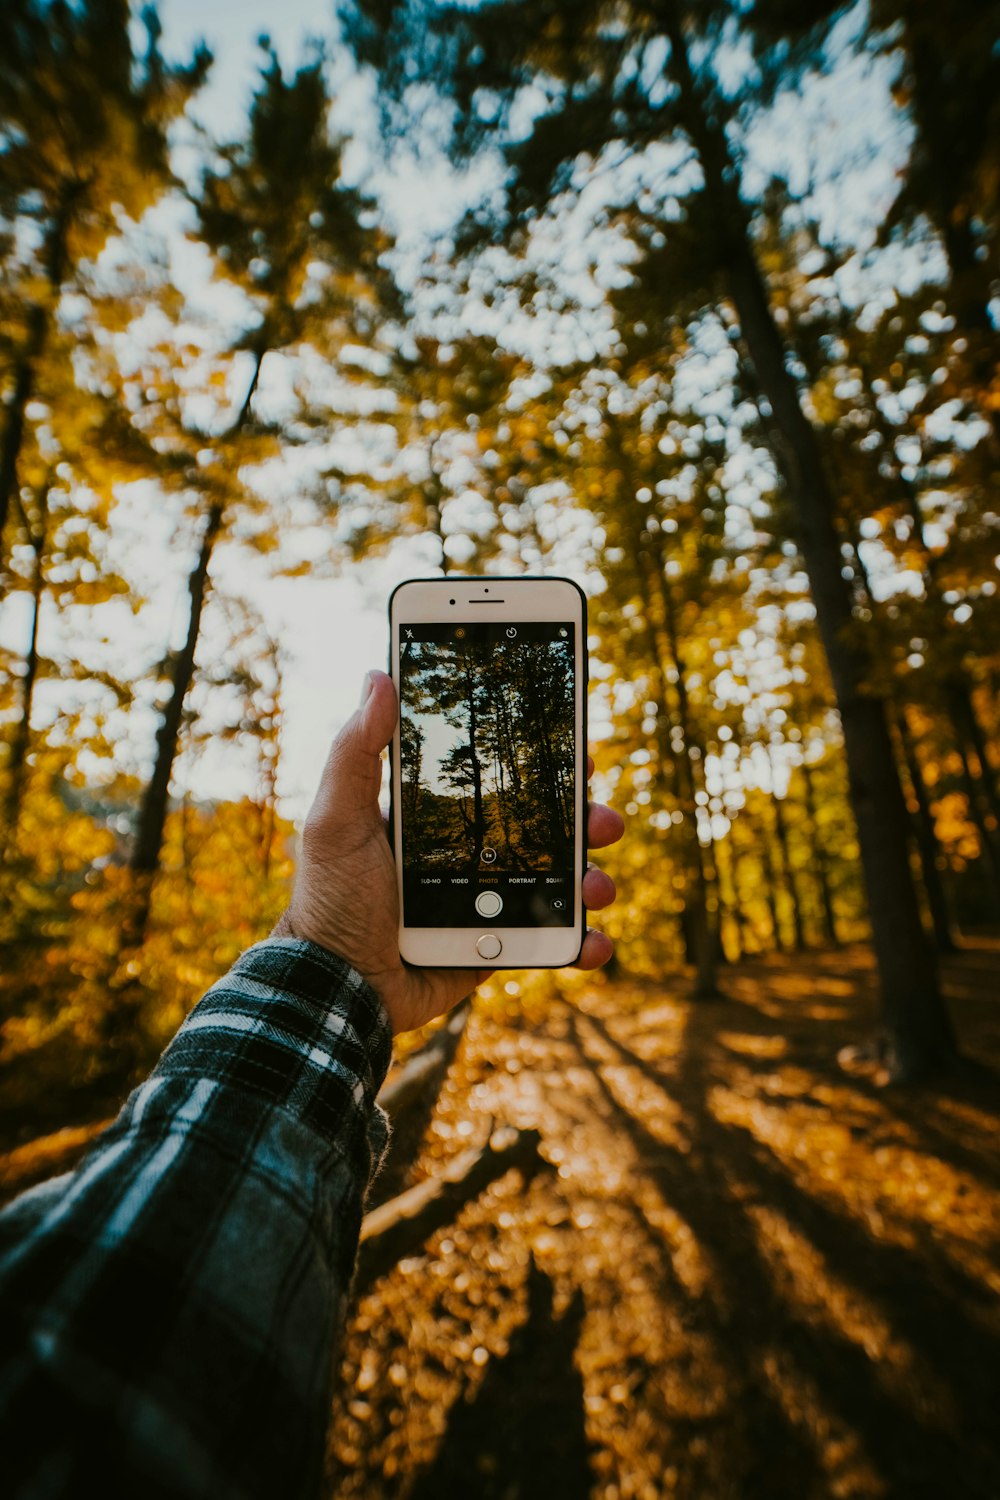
(489, 770)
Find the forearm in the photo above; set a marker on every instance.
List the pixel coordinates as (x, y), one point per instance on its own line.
(174, 1306)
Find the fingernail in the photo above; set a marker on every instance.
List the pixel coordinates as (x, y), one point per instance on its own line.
(366, 689)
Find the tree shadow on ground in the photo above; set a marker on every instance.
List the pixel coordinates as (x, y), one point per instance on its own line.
(521, 1436)
(931, 1111)
(762, 1451)
(728, 1174)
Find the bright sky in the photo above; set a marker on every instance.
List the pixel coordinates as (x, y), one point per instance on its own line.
(439, 740)
(231, 29)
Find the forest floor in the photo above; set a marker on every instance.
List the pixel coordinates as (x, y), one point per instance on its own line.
(742, 1274)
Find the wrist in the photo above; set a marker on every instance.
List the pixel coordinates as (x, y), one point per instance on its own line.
(284, 926)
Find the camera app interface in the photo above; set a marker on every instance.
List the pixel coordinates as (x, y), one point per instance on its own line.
(488, 794)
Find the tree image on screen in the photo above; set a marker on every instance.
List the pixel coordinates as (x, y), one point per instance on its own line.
(487, 754)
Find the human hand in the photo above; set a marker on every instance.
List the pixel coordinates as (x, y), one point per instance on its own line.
(345, 895)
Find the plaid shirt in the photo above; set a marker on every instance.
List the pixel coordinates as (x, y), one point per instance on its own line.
(168, 1311)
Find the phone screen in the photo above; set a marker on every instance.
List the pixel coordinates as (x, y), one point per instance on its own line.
(488, 773)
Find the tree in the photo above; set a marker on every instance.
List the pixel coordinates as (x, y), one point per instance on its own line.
(84, 122)
(285, 229)
(664, 513)
(946, 82)
(905, 464)
(446, 398)
(599, 62)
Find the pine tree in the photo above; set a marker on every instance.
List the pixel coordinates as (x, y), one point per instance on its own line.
(84, 120)
(597, 57)
(301, 246)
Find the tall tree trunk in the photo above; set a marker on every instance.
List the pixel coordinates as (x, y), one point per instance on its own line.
(269, 764)
(758, 885)
(266, 836)
(987, 842)
(959, 705)
(691, 918)
(953, 207)
(700, 938)
(153, 813)
(761, 880)
(729, 900)
(549, 777)
(700, 941)
(791, 875)
(965, 716)
(917, 1031)
(188, 853)
(925, 835)
(714, 898)
(13, 434)
(22, 734)
(788, 869)
(771, 888)
(706, 986)
(148, 843)
(478, 814)
(435, 504)
(927, 839)
(821, 861)
(40, 316)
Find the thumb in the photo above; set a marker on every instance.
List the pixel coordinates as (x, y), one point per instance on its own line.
(376, 718)
(352, 775)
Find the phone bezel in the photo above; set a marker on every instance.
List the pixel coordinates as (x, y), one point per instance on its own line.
(528, 598)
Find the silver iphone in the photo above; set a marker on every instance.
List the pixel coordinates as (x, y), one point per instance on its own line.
(489, 770)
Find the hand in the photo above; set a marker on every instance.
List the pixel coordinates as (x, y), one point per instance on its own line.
(345, 889)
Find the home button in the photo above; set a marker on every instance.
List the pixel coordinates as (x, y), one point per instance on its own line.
(489, 945)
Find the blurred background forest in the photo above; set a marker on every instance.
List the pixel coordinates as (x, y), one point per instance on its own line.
(710, 325)
(699, 305)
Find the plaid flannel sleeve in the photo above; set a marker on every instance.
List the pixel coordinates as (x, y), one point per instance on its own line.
(169, 1309)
